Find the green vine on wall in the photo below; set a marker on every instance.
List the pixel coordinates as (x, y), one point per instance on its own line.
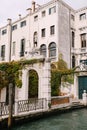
(60, 73)
(10, 71)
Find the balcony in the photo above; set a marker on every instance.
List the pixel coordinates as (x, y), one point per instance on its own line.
(79, 50)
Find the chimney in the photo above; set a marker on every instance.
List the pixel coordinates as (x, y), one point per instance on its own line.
(19, 16)
(29, 10)
(9, 21)
(33, 6)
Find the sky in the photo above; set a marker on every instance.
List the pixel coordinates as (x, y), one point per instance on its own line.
(12, 8)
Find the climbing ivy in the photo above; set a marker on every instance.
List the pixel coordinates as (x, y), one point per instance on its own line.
(10, 71)
(60, 73)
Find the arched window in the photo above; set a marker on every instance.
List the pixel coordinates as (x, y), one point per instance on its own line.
(52, 49)
(43, 49)
(35, 39)
(33, 84)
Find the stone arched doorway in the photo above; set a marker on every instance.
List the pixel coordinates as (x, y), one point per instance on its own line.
(33, 84)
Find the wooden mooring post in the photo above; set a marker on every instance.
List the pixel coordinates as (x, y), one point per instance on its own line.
(10, 106)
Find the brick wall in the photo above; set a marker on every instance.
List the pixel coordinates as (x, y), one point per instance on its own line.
(58, 101)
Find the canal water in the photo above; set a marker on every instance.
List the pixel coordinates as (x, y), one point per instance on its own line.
(74, 120)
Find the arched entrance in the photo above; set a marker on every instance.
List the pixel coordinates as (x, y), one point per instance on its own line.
(33, 84)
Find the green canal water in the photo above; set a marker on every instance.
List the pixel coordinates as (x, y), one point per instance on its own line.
(75, 120)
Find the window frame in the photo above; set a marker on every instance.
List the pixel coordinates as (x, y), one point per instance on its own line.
(52, 30)
(23, 23)
(3, 52)
(73, 39)
(4, 31)
(52, 49)
(43, 13)
(83, 40)
(35, 18)
(43, 32)
(35, 39)
(22, 47)
(52, 10)
(82, 16)
(14, 27)
(43, 50)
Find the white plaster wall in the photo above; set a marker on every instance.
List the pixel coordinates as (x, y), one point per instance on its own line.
(45, 22)
(64, 27)
(18, 34)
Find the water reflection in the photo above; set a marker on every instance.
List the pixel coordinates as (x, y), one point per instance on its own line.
(76, 120)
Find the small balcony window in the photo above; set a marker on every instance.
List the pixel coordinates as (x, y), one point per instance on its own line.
(82, 16)
(83, 40)
(23, 23)
(36, 18)
(43, 31)
(3, 52)
(52, 10)
(52, 30)
(43, 13)
(14, 27)
(4, 31)
(22, 49)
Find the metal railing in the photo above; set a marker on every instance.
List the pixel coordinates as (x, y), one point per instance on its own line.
(79, 50)
(23, 106)
(31, 104)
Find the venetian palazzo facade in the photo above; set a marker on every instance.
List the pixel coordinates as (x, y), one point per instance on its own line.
(46, 31)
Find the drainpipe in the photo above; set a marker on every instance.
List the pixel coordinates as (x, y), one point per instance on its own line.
(70, 35)
(9, 38)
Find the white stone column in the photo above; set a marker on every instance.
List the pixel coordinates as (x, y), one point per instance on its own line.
(84, 97)
(16, 107)
(75, 86)
(23, 92)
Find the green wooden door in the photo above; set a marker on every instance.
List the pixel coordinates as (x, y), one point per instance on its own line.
(82, 82)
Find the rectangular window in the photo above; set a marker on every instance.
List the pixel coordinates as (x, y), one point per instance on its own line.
(36, 18)
(73, 39)
(4, 31)
(3, 52)
(52, 10)
(23, 23)
(73, 17)
(43, 32)
(82, 16)
(22, 49)
(73, 61)
(83, 40)
(43, 13)
(13, 48)
(52, 30)
(14, 27)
